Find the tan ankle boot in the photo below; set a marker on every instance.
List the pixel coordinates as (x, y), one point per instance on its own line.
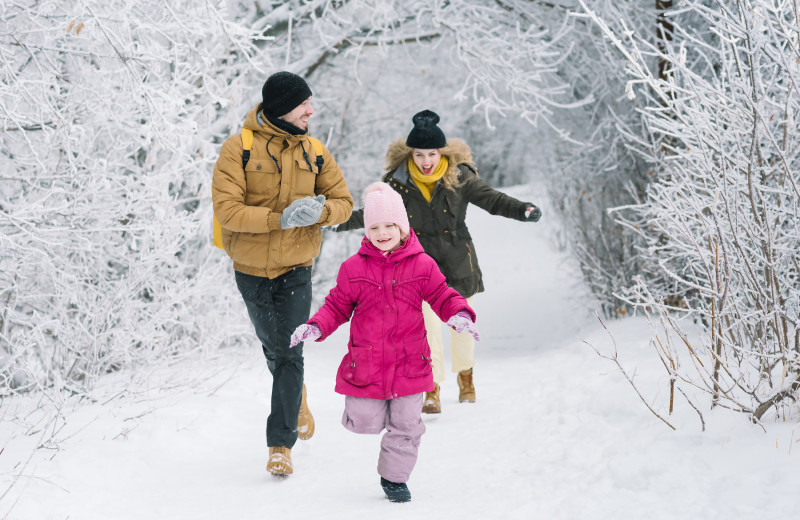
(466, 389)
(305, 421)
(280, 461)
(431, 404)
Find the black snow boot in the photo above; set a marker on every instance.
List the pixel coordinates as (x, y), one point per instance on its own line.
(396, 492)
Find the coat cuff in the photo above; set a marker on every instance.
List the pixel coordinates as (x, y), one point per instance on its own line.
(320, 327)
(326, 212)
(469, 311)
(274, 220)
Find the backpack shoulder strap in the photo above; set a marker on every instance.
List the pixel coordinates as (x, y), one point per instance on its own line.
(318, 149)
(247, 145)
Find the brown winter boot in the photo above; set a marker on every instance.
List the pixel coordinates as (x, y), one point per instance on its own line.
(431, 403)
(305, 421)
(280, 461)
(466, 390)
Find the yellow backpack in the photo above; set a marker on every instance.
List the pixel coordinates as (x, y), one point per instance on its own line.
(247, 145)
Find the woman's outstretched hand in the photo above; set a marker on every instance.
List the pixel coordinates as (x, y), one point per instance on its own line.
(533, 213)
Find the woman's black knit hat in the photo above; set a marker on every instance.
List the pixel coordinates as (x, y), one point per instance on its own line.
(425, 134)
(282, 93)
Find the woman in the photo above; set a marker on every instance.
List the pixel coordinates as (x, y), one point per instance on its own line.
(437, 181)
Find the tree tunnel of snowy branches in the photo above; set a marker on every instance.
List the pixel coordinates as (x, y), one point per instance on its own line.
(665, 133)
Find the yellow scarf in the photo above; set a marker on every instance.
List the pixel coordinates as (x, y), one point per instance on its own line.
(426, 183)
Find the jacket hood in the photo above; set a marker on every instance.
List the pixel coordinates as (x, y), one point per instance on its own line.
(257, 123)
(456, 151)
(409, 248)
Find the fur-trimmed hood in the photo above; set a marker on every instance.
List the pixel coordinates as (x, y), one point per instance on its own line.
(440, 222)
(456, 151)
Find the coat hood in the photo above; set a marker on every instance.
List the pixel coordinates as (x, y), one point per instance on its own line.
(409, 248)
(256, 122)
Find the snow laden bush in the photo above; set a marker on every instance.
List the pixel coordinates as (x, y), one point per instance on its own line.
(721, 224)
(110, 113)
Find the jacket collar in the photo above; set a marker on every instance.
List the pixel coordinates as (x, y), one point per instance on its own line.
(280, 124)
(410, 248)
(401, 174)
(257, 123)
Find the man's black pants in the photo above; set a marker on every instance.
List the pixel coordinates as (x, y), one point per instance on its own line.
(276, 307)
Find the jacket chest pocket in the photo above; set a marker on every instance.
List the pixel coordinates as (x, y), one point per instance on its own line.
(358, 366)
(262, 179)
(305, 179)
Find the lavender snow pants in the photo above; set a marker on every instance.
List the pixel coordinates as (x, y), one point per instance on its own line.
(402, 418)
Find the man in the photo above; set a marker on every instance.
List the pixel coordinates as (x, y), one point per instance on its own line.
(271, 211)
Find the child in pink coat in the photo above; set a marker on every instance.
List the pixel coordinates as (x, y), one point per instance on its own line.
(387, 367)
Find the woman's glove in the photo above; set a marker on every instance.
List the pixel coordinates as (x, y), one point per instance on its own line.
(305, 332)
(533, 213)
(462, 322)
(303, 212)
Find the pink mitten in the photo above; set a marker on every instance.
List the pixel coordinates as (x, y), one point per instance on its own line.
(462, 322)
(306, 331)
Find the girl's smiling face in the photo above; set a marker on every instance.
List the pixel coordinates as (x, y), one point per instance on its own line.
(427, 160)
(385, 236)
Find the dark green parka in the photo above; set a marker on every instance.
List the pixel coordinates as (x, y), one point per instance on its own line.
(440, 224)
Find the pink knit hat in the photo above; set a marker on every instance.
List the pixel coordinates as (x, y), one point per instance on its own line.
(383, 204)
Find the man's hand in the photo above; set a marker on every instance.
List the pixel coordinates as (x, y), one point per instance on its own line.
(303, 212)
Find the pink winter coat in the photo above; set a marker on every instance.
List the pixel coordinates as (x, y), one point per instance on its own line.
(388, 354)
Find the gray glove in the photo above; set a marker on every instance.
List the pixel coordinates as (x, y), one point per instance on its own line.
(303, 212)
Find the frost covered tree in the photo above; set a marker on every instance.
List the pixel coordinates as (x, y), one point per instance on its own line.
(720, 222)
(112, 116)
(108, 113)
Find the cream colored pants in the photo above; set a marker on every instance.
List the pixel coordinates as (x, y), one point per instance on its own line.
(462, 345)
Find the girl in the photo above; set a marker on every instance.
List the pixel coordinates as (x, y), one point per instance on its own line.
(438, 181)
(388, 365)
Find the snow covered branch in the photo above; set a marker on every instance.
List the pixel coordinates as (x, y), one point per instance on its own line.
(720, 221)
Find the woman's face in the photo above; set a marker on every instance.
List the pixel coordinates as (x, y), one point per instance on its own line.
(427, 160)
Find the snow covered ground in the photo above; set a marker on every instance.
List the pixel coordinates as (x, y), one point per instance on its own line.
(556, 433)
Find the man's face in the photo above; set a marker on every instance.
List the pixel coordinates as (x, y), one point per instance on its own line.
(299, 116)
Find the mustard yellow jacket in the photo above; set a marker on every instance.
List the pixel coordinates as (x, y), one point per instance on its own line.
(248, 203)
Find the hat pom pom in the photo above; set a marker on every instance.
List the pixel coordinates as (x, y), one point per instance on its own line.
(376, 187)
(425, 118)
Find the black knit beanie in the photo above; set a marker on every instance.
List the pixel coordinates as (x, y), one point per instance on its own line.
(282, 93)
(425, 134)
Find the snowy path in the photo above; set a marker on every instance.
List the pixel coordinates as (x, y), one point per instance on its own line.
(556, 433)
